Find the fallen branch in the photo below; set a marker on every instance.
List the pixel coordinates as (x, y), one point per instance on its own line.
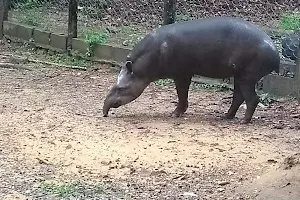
(101, 61)
(43, 62)
(56, 64)
(43, 161)
(13, 66)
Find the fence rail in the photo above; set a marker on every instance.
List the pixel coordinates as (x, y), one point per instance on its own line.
(124, 23)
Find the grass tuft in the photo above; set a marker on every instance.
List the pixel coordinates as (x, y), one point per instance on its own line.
(73, 189)
(290, 21)
(97, 37)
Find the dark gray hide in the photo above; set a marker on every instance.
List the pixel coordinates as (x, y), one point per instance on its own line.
(217, 47)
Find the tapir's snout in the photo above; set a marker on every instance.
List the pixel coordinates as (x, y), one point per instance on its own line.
(109, 103)
(120, 96)
(106, 108)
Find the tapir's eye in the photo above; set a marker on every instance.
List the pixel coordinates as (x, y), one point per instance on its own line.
(121, 89)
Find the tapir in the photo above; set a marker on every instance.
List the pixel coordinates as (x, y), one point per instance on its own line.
(215, 47)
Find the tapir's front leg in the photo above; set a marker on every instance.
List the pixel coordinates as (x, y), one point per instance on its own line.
(182, 88)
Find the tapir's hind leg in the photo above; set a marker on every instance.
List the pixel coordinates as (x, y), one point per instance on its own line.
(252, 100)
(238, 99)
(182, 88)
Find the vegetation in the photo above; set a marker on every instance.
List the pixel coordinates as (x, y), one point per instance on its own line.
(96, 37)
(30, 12)
(32, 17)
(222, 87)
(73, 189)
(196, 86)
(50, 56)
(290, 21)
(164, 82)
(27, 4)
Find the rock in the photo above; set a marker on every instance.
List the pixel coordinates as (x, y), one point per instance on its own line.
(112, 29)
(230, 173)
(18, 60)
(15, 196)
(27, 191)
(278, 126)
(125, 43)
(223, 183)
(190, 194)
(296, 116)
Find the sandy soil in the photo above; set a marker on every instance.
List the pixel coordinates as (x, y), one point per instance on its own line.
(51, 128)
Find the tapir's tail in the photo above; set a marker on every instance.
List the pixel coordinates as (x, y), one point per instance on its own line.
(277, 67)
(276, 62)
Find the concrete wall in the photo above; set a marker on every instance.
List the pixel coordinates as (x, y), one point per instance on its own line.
(281, 86)
(58, 42)
(273, 84)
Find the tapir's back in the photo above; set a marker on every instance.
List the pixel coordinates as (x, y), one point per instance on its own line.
(221, 44)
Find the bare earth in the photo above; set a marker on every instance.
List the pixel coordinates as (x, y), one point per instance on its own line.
(52, 129)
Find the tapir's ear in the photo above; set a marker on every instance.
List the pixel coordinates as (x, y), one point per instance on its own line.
(129, 66)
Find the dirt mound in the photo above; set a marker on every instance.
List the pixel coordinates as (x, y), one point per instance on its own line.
(278, 184)
(291, 161)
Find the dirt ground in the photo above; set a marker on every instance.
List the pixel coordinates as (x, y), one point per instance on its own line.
(52, 130)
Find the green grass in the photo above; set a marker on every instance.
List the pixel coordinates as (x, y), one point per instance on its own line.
(222, 87)
(267, 99)
(196, 86)
(290, 21)
(97, 37)
(164, 82)
(63, 59)
(28, 4)
(73, 189)
(63, 190)
(32, 17)
(69, 60)
(54, 57)
(123, 35)
(31, 12)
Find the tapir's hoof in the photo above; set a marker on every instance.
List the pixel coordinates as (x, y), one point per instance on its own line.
(176, 114)
(245, 121)
(228, 116)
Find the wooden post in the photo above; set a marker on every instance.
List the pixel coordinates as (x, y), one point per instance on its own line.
(169, 11)
(72, 21)
(3, 15)
(297, 72)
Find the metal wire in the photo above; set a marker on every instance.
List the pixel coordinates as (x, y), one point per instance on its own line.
(125, 22)
(49, 15)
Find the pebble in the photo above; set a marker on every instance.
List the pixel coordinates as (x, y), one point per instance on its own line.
(189, 194)
(223, 183)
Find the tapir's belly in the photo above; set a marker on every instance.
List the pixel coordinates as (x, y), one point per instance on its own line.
(221, 71)
(221, 66)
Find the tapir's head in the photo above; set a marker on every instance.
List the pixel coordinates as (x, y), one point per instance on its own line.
(128, 87)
